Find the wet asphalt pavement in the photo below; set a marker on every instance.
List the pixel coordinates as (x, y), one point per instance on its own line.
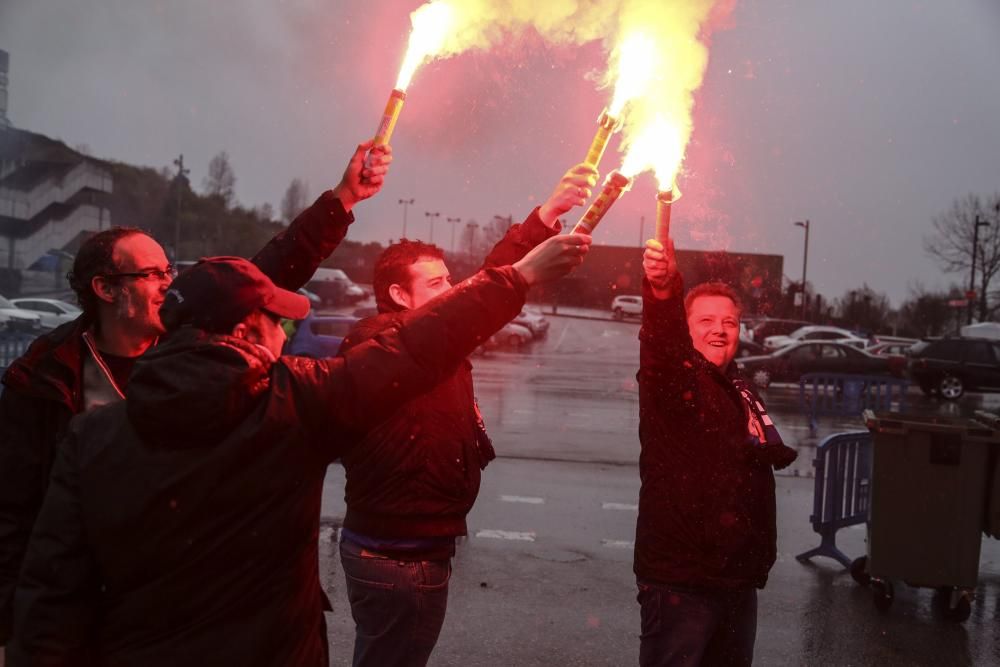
(545, 575)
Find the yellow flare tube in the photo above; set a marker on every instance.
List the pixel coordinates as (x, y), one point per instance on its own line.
(606, 126)
(614, 186)
(389, 117)
(663, 202)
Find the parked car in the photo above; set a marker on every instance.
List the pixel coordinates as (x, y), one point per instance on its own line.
(952, 366)
(534, 321)
(626, 305)
(748, 348)
(52, 312)
(775, 327)
(13, 318)
(814, 332)
(314, 300)
(319, 336)
(334, 288)
(792, 362)
(511, 336)
(889, 349)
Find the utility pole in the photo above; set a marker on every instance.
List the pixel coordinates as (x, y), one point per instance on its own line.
(453, 222)
(472, 227)
(406, 204)
(971, 295)
(182, 173)
(805, 260)
(642, 223)
(431, 217)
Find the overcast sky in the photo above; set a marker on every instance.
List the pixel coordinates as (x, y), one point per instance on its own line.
(867, 118)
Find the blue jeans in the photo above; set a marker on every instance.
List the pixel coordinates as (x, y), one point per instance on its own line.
(398, 606)
(682, 627)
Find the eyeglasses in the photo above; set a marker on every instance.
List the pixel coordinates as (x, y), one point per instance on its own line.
(168, 273)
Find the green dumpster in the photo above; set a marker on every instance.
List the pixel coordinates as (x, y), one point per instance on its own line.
(928, 504)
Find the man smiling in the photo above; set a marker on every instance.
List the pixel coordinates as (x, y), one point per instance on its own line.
(706, 536)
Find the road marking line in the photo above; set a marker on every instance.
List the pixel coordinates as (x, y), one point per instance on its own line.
(625, 507)
(618, 544)
(523, 499)
(506, 535)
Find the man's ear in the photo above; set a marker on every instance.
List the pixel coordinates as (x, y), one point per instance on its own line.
(103, 288)
(240, 331)
(399, 295)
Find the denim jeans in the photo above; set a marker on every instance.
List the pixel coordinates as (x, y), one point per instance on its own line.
(398, 606)
(682, 627)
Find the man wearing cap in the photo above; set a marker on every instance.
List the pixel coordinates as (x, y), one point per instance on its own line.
(120, 277)
(180, 526)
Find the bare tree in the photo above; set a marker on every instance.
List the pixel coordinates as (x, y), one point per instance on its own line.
(864, 309)
(956, 230)
(927, 313)
(220, 180)
(265, 212)
(495, 229)
(295, 200)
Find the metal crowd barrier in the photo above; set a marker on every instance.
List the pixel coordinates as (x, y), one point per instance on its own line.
(847, 395)
(12, 346)
(842, 492)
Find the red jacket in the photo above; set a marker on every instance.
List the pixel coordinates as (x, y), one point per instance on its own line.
(417, 474)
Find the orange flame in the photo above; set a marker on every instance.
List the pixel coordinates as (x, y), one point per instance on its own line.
(431, 24)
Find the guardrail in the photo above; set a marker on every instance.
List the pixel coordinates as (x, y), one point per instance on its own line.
(841, 495)
(847, 395)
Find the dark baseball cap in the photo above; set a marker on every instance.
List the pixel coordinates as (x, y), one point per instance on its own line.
(218, 293)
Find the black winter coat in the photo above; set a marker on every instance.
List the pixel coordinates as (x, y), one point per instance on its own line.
(418, 473)
(43, 388)
(706, 504)
(181, 526)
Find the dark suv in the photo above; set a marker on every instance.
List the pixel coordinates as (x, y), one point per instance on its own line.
(950, 366)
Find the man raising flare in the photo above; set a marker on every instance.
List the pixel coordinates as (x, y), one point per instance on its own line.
(706, 536)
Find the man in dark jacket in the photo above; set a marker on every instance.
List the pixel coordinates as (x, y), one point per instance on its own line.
(414, 477)
(181, 525)
(121, 276)
(706, 536)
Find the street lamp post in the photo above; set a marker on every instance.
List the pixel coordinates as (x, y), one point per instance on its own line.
(406, 204)
(642, 223)
(472, 227)
(805, 260)
(453, 222)
(431, 217)
(972, 274)
(182, 172)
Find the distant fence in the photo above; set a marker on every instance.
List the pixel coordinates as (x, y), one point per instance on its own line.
(841, 494)
(847, 395)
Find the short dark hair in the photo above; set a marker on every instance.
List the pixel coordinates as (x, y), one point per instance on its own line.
(393, 268)
(95, 258)
(714, 288)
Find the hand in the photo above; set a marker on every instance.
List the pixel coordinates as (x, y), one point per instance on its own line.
(660, 265)
(553, 258)
(362, 181)
(574, 189)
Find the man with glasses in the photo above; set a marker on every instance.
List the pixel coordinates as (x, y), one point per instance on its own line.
(120, 277)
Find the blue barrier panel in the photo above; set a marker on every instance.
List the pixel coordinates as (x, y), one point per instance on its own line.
(842, 491)
(846, 395)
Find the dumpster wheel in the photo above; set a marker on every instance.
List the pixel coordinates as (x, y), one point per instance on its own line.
(955, 603)
(882, 593)
(859, 571)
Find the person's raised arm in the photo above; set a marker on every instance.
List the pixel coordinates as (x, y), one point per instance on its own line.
(573, 189)
(664, 340)
(371, 380)
(291, 258)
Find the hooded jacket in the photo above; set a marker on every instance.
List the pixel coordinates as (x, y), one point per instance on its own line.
(417, 474)
(706, 503)
(45, 387)
(181, 526)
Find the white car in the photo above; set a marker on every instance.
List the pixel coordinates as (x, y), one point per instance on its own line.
(52, 312)
(626, 306)
(13, 318)
(534, 321)
(512, 336)
(814, 332)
